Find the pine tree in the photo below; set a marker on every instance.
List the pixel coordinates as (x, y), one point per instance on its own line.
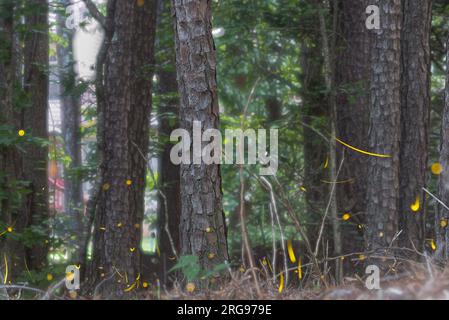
(202, 227)
(384, 129)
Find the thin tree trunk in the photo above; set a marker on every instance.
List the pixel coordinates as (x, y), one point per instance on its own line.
(415, 115)
(170, 200)
(384, 132)
(70, 110)
(203, 230)
(315, 148)
(329, 71)
(169, 211)
(125, 105)
(441, 223)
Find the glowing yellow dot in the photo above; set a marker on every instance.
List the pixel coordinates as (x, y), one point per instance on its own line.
(303, 189)
(360, 226)
(415, 206)
(137, 226)
(242, 269)
(443, 223)
(119, 225)
(69, 276)
(102, 275)
(436, 168)
(9, 229)
(106, 186)
(21, 133)
(190, 287)
(49, 277)
(129, 182)
(208, 229)
(433, 245)
(102, 228)
(132, 249)
(362, 257)
(381, 234)
(264, 262)
(346, 217)
(145, 285)
(211, 255)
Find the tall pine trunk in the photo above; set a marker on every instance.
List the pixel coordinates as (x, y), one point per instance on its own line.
(34, 118)
(384, 130)
(415, 115)
(203, 230)
(352, 85)
(124, 109)
(442, 230)
(10, 158)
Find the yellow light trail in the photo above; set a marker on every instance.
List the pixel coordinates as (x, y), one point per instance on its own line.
(362, 151)
(291, 253)
(281, 283)
(6, 270)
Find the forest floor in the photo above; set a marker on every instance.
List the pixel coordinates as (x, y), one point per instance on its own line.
(411, 286)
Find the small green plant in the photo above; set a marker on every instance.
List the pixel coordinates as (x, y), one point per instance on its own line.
(190, 267)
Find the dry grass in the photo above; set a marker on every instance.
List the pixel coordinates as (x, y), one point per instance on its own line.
(412, 285)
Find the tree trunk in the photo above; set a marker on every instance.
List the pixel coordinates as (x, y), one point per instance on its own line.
(315, 148)
(441, 223)
(34, 117)
(170, 199)
(70, 111)
(328, 46)
(169, 211)
(10, 159)
(415, 115)
(384, 132)
(203, 230)
(352, 85)
(125, 105)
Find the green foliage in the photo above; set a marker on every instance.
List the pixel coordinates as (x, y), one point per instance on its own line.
(190, 267)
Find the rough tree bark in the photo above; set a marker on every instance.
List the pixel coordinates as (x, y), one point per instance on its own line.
(441, 223)
(70, 111)
(352, 85)
(384, 130)
(203, 230)
(34, 116)
(125, 104)
(415, 115)
(10, 164)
